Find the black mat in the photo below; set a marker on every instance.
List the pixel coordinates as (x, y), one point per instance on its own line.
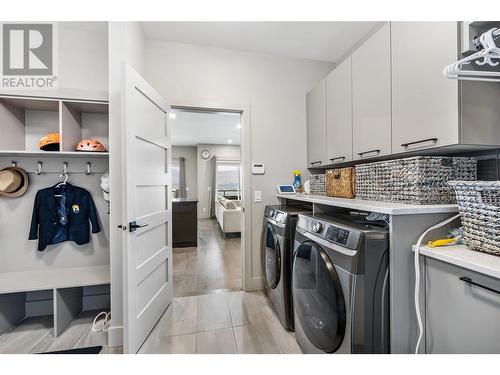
(87, 350)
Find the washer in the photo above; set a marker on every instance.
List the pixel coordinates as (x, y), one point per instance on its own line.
(340, 285)
(276, 254)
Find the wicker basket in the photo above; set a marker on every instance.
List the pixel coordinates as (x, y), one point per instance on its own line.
(318, 184)
(479, 206)
(415, 180)
(340, 182)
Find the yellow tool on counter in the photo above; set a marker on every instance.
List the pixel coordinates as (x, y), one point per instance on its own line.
(443, 242)
(456, 237)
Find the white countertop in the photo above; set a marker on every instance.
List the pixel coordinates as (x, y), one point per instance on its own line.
(462, 256)
(373, 206)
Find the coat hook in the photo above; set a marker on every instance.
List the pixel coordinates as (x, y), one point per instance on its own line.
(39, 168)
(65, 168)
(14, 164)
(88, 168)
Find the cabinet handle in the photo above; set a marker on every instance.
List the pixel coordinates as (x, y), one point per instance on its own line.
(469, 281)
(315, 162)
(337, 158)
(368, 152)
(405, 145)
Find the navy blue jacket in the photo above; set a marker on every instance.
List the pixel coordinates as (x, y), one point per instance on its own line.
(45, 220)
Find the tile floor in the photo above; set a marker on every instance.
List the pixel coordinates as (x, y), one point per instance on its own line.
(214, 265)
(220, 323)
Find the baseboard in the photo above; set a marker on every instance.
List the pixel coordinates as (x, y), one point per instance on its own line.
(256, 283)
(115, 336)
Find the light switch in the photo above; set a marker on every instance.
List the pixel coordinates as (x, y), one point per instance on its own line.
(257, 196)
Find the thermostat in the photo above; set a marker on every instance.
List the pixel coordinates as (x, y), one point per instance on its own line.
(286, 189)
(258, 168)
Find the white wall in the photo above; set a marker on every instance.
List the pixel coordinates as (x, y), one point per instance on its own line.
(190, 154)
(222, 152)
(82, 56)
(273, 87)
(126, 44)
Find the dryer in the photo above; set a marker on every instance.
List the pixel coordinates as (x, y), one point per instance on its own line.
(276, 254)
(340, 285)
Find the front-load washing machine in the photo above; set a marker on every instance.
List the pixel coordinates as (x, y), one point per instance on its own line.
(340, 285)
(276, 254)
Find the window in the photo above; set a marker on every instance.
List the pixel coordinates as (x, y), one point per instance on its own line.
(175, 174)
(229, 180)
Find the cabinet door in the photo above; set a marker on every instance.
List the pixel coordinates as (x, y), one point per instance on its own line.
(460, 317)
(316, 125)
(424, 102)
(371, 93)
(339, 114)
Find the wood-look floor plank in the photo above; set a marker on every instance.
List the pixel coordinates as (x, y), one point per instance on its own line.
(183, 344)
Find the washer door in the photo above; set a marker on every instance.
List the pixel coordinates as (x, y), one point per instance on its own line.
(271, 257)
(318, 299)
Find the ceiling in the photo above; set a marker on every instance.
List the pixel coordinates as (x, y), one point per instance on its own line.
(190, 128)
(326, 41)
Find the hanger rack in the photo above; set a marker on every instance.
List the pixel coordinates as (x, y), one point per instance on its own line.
(65, 170)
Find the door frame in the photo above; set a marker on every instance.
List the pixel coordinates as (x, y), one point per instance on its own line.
(248, 283)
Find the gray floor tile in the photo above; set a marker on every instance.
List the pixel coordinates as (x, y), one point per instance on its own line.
(179, 319)
(213, 312)
(220, 341)
(255, 339)
(183, 344)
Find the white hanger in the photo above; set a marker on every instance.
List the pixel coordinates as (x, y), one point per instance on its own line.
(489, 55)
(65, 175)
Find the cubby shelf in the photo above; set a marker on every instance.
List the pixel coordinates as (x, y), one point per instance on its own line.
(77, 154)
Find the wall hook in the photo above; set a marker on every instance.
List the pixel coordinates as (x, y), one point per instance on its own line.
(65, 168)
(88, 168)
(39, 168)
(13, 164)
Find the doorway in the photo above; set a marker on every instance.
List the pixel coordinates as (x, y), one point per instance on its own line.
(207, 190)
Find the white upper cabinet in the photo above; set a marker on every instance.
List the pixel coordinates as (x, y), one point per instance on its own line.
(424, 103)
(339, 114)
(371, 93)
(316, 126)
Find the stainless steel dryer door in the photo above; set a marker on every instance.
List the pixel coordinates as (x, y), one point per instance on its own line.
(318, 298)
(271, 257)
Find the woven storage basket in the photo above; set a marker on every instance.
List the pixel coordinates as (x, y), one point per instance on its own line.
(415, 180)
(340, 182)
(479, 206)
(318, 185)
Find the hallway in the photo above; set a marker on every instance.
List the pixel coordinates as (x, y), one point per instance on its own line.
(212, 266)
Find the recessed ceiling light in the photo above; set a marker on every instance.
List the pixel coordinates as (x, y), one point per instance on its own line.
(172, 115)
(238, 126)
(229, 141)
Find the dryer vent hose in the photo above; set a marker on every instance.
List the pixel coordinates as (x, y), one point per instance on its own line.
(417, 277)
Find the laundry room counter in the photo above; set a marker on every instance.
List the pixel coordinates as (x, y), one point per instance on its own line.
(372, 206)
(462, 256)
(406, 224)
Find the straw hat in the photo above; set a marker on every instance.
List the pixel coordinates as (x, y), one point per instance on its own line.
(13, 182)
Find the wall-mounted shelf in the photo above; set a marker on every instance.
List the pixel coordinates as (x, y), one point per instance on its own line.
(76, 154)
(24, 120)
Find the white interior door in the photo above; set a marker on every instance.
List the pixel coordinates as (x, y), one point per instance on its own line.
(147, 208)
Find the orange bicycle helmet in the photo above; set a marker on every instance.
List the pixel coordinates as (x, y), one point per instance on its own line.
(92, 145)
(49, 142)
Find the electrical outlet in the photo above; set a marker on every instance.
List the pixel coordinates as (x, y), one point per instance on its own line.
(257, 196)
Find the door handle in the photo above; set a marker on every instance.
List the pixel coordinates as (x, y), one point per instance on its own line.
(468, 280)
(133, 226)
(315, 162)
(405, 145)
(368, 152)
(337, 158)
